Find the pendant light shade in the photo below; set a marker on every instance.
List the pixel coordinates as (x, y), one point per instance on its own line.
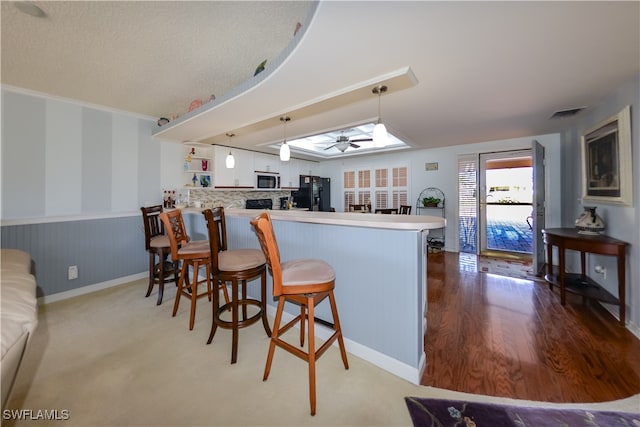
(380, 135)
(380, 130)
(230, 161)
(285, 152)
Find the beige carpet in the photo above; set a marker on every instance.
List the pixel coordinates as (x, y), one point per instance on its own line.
(114, 358)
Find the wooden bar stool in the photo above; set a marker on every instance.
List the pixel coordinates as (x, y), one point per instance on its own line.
(305, 282)
(192, 253)
(235, 266)
(157, 244)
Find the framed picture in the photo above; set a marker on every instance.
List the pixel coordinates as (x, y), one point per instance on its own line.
(606, 161)
(205, 180)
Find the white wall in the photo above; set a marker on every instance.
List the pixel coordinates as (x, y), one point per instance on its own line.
(621, 221)
(446, 177)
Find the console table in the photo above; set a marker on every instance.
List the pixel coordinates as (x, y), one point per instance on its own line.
(569, 238)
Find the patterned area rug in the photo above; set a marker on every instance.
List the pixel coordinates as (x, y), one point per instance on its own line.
(444, 413)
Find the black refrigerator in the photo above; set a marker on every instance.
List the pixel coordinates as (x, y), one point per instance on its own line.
(314, 193)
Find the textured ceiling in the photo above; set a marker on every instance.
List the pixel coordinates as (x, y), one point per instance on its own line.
(151, 58)
(484, 70)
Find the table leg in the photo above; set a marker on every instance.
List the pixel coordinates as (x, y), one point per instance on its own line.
(561, 275)
(550, 262)
(622, 286)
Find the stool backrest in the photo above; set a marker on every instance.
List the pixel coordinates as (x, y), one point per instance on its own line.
(405, 209)
(264, 229)
(217, 227)
(152, 225)
(176, 232)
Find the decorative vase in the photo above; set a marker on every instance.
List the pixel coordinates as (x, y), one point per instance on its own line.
(589, 222)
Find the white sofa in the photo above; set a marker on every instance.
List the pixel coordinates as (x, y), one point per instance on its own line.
(18, 313)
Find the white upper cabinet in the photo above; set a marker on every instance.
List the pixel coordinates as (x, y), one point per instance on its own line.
(240, 176)
(266, 162)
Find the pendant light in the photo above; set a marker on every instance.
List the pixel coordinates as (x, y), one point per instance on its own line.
(285, 152)
(379, 130)
(230, 161)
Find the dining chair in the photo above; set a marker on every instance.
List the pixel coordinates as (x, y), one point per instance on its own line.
(387, 211)
(305, 282)
(195, 254)
(357, 208)
(157, 244)
(236, 266)
(405, 210)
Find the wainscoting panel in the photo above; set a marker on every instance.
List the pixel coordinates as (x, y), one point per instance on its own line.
(103, 249)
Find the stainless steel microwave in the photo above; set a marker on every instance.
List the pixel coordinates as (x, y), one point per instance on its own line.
(267, 181)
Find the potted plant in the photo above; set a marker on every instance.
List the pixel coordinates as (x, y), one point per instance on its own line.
(431, 202)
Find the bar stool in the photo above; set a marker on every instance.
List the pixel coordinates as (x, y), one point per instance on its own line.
(305, 282)
(192, 253)
(235, 266)
(157, 244)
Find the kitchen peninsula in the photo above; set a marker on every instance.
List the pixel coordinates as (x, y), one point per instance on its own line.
(381, 270)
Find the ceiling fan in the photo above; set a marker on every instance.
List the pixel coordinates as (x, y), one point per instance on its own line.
(343, 142)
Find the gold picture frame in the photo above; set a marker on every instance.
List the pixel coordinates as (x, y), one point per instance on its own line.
(606, 161)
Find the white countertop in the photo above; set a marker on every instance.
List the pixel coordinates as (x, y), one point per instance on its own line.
(352, 219)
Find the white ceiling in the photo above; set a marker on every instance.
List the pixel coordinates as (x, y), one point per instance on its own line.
(483, 70)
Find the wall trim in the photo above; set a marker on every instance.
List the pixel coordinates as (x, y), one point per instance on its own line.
(66, 218)
(47, 299)
(38, 94)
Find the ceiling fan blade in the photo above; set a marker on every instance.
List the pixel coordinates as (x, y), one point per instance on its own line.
(354, 145)
(331, 146)
(361, 140)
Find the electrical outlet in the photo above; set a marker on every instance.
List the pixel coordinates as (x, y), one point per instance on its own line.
(73, 272)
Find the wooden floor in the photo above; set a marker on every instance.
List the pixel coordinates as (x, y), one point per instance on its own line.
(507, 337)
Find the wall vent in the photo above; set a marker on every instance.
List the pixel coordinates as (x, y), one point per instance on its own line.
(563, 114)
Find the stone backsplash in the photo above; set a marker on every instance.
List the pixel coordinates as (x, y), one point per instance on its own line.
(230, 199)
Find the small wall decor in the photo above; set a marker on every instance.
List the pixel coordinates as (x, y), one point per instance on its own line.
(260, 68)
(606, 161)
(196, 103)
(205, 180)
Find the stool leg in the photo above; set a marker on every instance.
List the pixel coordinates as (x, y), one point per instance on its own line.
(302, 320)
(184, 275)
(194, 295)
(234, 320)
(312, 356)
(274, 337)
(263, 302)
(161, 256)
(338, 328)
(152, 271)
(215, 307)
(244, 297)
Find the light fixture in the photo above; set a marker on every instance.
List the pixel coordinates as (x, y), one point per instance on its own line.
(230, 162)
(285, 152)
(380, 130)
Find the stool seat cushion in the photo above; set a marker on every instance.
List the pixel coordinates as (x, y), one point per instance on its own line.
(159, 242)
(195, 247)
(306, 272)
(240, 259)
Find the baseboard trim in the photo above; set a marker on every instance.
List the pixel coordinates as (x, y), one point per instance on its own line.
(382, 361)
(47, 299)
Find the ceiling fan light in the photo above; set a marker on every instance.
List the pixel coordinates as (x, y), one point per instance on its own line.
(230, 161)
(380, 135)
(285, 152)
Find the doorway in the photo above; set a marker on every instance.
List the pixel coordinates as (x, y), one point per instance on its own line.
(506, 204)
